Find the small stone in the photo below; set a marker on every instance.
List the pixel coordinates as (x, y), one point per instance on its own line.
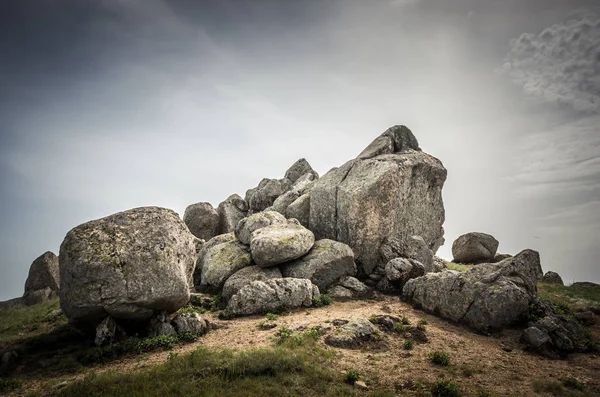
(359, 384)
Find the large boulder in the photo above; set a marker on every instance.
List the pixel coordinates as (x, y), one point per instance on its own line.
(231, 212)
(324, 264)
(43, 280)
(279, 243)
(486, 297)
(202, 220)
(300, 209)
(247, 275)
(218, 262)
(129, 266)
(552, 278)
(412, 247)
(395, 192)
(474, 248)
(254, 222)
(272, 296)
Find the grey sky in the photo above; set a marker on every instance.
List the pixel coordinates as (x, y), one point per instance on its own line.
(109, 105)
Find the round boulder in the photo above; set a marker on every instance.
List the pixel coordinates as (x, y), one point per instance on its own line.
(219, 262)
(474, 248)
(280, 243)
(129, 266)
(202, 220)
(248, 225)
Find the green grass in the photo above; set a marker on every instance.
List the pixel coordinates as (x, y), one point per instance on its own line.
(283, 369)
(459, 266)
(573, 298)
(20, 323)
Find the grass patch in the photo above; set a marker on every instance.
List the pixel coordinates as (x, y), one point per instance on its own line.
(283, 369)
(20, 323)
(459, 266)
(572, 298)
(408, 344)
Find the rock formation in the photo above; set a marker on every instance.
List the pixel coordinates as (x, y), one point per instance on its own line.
(43, 280)
(391, 190)
(486, 297)
(129, 265)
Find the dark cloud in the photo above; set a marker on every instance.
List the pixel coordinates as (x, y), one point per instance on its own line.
(561, 64)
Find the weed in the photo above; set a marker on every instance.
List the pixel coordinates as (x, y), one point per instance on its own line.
(423, 321)
(572, 383)
(440, 358)
(444, 388)
(283, 333)
(399, 327)
(271, 316)
(191, 310)
(405, 320)
(408, 344)
(323, 300)
(313, 332)
(8, 384)
(351, 376)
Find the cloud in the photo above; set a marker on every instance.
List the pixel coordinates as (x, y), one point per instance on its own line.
(561, 64)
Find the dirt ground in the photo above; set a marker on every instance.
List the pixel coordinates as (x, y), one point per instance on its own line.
(496, 363)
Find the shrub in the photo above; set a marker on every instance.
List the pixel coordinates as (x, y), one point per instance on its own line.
(313, 333)
(351, 376)
(444, 388)
(191, 310)
(271, 316)
(283, 333)
(323, 300)
(7, 384)
(408, 344)
(440, 358)
(572, 383)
